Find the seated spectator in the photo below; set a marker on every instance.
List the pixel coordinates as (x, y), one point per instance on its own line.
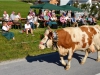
(68, 20)
(49, 14)
(30, 20)
(32, 12)
(40, 20)
(12, 16)
(74, 21)
(94, 20)
(40, 16)
(17, 21)
(63, 21)
(83, 20)
(35, 21)
(6, 18)
(69, 14)
(53, 12)
(79, 18)
(6, 33)
(28, 28)
(46, 19)
(53, 20)
(91, 20)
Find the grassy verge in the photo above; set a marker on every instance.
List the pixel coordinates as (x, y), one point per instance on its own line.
(22, 46)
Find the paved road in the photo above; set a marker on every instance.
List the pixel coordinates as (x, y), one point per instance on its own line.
(49, 64)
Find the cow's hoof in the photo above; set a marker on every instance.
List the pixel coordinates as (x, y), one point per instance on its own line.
(82, 63)
(98, 60)
(67, 68)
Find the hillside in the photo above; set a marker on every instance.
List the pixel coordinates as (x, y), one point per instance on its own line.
(16, 6)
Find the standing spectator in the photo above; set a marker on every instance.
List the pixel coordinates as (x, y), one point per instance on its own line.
(6, 33)
(28, 28)
(30, 20)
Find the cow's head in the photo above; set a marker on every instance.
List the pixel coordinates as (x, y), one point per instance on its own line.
(46, 42)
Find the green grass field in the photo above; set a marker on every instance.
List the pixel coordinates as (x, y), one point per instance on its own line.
(23, 45)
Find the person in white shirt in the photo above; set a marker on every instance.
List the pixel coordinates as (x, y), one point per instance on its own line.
(30, 20)
(6, 33)
(12, 16)
(28, 28)
(90, 20)
(68, 20)
(17, 21)
(6, 16)
(18, 16)
(35, 21)
(69, 14)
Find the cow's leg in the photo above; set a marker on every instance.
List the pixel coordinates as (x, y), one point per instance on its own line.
(85, 57)
(62, 60)
(92, 48)
(69, 60)
(98, 55)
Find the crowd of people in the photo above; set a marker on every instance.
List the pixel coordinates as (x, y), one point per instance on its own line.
(45, 18)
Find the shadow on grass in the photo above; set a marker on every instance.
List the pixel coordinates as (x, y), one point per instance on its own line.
(53, 58)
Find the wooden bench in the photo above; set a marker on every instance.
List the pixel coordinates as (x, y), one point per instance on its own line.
(23, 20)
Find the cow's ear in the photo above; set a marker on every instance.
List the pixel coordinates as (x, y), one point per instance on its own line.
(50, 35)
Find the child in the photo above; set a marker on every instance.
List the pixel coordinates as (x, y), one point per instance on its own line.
(28, 28)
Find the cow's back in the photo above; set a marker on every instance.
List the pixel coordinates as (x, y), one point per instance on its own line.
(75, 37)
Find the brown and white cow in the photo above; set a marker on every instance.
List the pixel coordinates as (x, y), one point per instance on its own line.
(71, 39)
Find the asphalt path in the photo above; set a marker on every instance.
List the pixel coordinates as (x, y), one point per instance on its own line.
(49, 64)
